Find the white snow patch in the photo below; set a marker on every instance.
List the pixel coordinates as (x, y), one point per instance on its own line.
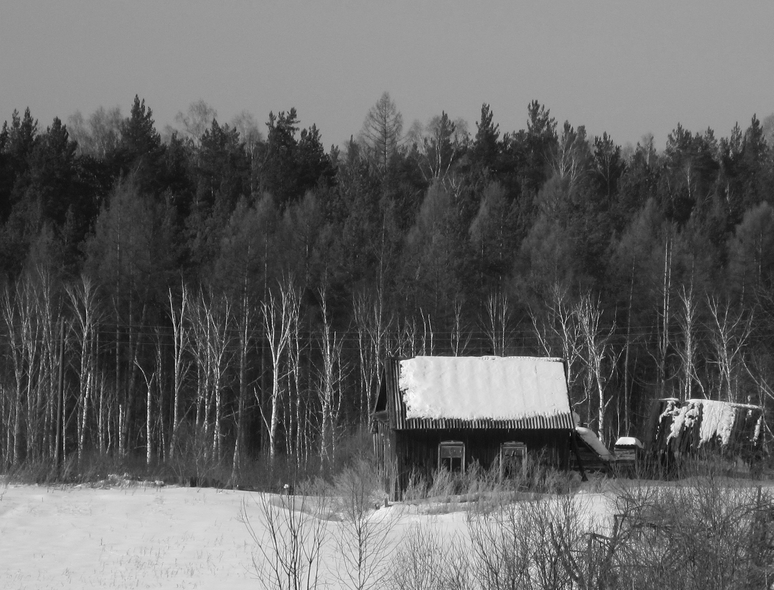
(591, 439)
(717, 420)
(683, 418)
(758, 427)
(471, 388)
(628, 441)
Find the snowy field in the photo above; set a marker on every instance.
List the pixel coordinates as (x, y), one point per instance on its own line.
(143, 537)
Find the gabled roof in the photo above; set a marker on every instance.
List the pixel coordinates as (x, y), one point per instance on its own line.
(476, 392)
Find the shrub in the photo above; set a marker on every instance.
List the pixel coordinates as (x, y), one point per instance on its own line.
(426, 561)
(711, 533)
(362, 536)
(289, 540)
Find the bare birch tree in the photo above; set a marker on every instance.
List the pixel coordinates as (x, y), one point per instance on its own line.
(664, 315)
(219, 318)
(178, 313)
(372, 328)
(328, 390)
(730, 333)
(244, 320)
(427, 346)
(558, 333)
(148, 410)
(50, 313)
(31, 352)
(277, 313)
(83, 304)
(20, 321)
(687, 346)
(296, 406)
(211, 317)
(460, 337)
(362, 539)
(496, 320)
(597, 355)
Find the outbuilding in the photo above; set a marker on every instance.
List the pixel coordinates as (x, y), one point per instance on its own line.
(437, 412)
(677, 429)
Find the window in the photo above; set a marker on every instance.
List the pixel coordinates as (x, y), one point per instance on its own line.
(512, 456)
(451, 456)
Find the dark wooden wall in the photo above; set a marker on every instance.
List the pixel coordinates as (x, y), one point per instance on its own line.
(414, 453)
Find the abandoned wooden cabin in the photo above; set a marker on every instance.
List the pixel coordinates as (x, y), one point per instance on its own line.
(676, 429)
(449, 412)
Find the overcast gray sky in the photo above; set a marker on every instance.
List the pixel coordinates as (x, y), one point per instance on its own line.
(627, 68)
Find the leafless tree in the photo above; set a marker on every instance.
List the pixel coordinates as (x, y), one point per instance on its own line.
(249, 133)
(296, 421)
(329, 388)
(419, 561)
(460, 337)
(244, 320)
(730, 333)
(372, 328)
(713, 533)
(501, 547)
(687, 347)
(558, 333)
(86, 317)
(278, 313)
(21, 321)
(427, 341)
(496, 320)
(98, 135)
(211, 335)
(196, 120)
(440, 143)
(178, 313)
(362, 539)
(664, 314)
(571, 155)
(148, 410)
(288, 539)
(49, 310)
(597, 355)
(219, 318)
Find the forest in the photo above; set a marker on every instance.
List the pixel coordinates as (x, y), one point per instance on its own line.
(216, 293)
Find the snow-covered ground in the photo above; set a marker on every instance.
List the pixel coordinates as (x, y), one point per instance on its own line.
(122, 537)
(142, 537)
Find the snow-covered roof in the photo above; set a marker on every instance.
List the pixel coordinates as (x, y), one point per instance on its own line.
(628, 441)
(591, 439)
(489, 388)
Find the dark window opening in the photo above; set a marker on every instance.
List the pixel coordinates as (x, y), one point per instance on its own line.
(512, 457)
(451, 456)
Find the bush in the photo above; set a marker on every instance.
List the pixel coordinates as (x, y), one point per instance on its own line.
(711, 533)
(416, 487)
(288, 542)
(362, 536)
(426, 561)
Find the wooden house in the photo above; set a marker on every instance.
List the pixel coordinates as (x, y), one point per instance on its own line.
(449, 412)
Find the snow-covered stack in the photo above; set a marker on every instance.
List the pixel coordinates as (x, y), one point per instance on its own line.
(701, 423)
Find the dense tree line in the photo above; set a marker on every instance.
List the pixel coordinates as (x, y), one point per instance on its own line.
(217, 292)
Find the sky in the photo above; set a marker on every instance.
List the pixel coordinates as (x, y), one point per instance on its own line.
(627, 68)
